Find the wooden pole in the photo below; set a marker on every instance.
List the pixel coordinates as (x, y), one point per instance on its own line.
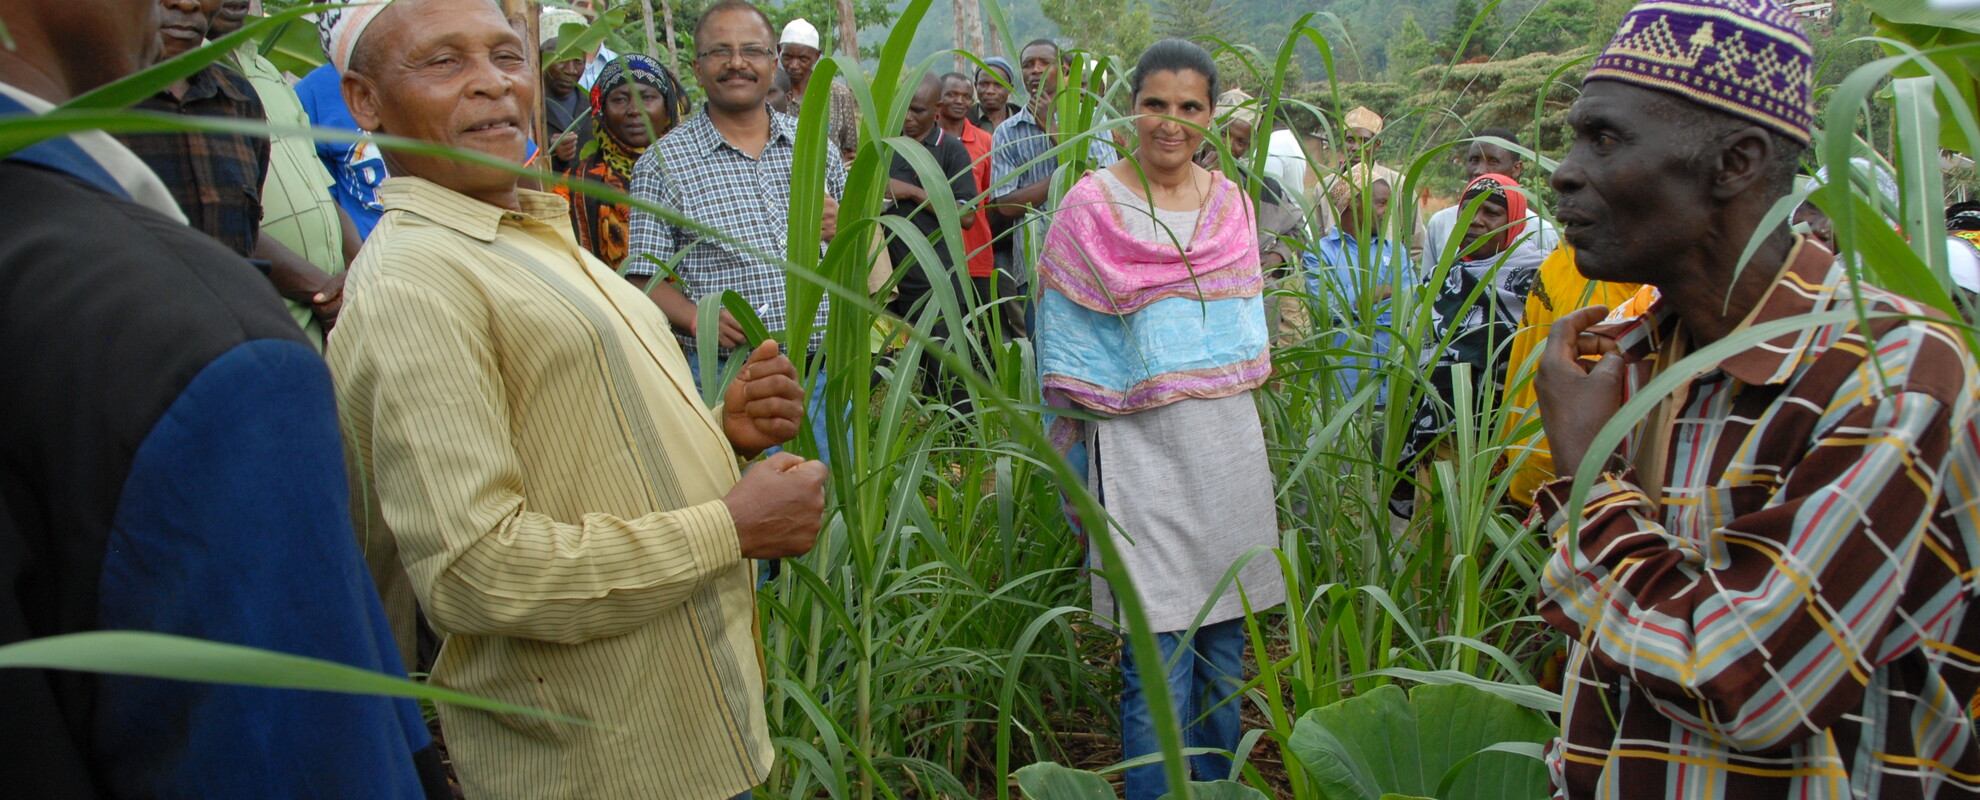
(961, 37)
(848, 29)
(970, 36)
(667, 18)
(652, 47)
(522, 15)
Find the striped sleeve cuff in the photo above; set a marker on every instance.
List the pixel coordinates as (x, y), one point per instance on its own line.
(1551, 498)
(711, 536)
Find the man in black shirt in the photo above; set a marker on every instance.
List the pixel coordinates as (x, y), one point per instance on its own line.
(912, 201)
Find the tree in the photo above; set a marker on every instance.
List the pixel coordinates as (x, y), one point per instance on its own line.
(969, 33)
(1836, 56)
(1409, 50)
(1188, 19)
(1454, 44)
(1554, 26)
(827, 16)
(1105, 27)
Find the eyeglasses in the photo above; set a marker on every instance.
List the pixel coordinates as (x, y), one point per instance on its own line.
(750, 52)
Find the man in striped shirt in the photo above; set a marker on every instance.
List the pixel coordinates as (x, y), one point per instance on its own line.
(528, 448)
(1767, 588)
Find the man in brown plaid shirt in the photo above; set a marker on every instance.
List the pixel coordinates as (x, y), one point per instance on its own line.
(217, 177)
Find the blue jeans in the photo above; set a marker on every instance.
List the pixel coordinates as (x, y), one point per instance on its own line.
(814, 410)
(1203, 686)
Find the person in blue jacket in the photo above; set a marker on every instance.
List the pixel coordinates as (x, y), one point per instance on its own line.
(169, 462)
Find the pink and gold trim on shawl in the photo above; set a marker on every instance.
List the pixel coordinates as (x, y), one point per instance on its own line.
(1208, 383)
(1099, 265)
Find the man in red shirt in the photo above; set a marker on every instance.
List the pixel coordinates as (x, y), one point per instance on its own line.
(958, 97)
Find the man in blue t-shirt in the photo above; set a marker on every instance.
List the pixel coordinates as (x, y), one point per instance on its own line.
(358, 167)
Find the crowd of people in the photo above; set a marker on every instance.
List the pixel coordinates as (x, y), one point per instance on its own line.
(409, 413)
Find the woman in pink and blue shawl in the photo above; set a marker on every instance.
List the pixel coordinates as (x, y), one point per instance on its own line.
(1152, 318)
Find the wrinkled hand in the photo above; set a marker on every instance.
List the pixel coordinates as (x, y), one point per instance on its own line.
(1576, 400)
(778, 506)
(566, 148)
(729, 332)
(328, 301)
(831, 226)
(765, 404)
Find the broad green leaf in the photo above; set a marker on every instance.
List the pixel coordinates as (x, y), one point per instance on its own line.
(1532, 697)
(1449, 737)
(126, 91)
(1220, 790)
(574, 40)
(158, 655)
(1048, 781)
(294, 47)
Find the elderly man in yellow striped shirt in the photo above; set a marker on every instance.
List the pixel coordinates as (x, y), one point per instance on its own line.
(529, 452)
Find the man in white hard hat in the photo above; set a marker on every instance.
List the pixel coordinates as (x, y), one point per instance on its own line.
(798, 52)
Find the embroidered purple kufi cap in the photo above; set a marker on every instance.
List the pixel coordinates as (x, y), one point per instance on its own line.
(1748, 58)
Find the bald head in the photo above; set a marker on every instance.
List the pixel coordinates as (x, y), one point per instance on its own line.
(450, 72)
(365, 50)
(62, 49)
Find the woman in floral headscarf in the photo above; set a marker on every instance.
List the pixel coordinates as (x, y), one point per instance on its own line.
(634, 103)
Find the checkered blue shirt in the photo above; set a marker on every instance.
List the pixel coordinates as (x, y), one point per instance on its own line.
(1017, 141)
(695, 171)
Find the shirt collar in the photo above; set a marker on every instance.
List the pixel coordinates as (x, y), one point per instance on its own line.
(1806, 282)
(707, 139)
(1024, 115)
(208, 82)
(466, 215)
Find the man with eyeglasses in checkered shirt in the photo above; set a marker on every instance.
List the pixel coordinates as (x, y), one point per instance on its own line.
(729, 168)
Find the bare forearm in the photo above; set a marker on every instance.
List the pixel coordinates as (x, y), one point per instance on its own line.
(294, 277)
(1021, 201)
(680, 311)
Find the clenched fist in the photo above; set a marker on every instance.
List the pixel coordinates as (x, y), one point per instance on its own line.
(778, 506)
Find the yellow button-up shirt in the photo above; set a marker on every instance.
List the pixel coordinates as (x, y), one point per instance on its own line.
(1559, 290)
(525, 440)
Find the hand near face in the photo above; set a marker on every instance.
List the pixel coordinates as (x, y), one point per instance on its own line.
(765, 404)
(1576, 400)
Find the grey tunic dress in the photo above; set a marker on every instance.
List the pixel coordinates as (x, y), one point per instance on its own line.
(1187, 484)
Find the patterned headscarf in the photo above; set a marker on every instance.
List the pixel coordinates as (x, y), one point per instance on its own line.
(1363, 117)
(633, 68)
(1748, 58)
(1349, 183)
(1494, 187)
(1240, 107)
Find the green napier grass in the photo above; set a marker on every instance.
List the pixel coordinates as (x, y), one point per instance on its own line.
(936, 641)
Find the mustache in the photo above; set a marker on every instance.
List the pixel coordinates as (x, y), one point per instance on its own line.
(737, 73)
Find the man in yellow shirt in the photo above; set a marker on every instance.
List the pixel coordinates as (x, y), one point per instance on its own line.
(1559, 289)
(529, 451)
